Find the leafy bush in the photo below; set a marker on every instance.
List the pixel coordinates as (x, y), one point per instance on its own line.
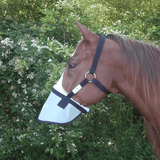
(25, 67)
(59, 22)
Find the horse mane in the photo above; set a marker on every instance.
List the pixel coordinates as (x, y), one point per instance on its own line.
(148, 57)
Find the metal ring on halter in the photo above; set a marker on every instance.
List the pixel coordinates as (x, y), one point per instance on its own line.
(91, 73)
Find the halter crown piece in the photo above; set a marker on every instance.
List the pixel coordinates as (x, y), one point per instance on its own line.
(60, 108)
(63, 103)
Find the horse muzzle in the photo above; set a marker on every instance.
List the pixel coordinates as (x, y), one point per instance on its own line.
(56, 113)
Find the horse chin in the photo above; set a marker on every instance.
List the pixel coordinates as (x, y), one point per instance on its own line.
(82, 104)
(79, 101)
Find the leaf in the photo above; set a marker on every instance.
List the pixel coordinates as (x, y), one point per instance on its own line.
(46, 150)
(57, 145)
(51, 151)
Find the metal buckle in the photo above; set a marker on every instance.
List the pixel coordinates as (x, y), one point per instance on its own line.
(90, 73)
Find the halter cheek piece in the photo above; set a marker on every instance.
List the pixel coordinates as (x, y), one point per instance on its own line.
(64, 102)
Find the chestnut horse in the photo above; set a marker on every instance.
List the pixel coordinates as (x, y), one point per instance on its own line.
(126, 67)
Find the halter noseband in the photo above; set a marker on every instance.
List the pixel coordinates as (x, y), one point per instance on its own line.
(63, 103)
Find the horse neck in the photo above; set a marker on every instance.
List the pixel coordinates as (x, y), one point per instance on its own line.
(132, 85)
(137, 88)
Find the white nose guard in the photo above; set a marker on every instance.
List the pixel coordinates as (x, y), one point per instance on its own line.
(53, 113)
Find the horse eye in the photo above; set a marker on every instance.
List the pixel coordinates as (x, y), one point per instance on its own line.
(72, 66)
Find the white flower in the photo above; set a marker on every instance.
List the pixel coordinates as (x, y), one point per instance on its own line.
(34, 42)
(25, 91)
(3, 82)
(11, 62)
(31, 59)
(12, 87)
(14, 94)
(24, 103)
(109, 143)
(19, 81)
(50, 60)
(73, 145)
(68, 150)
(9, 80)
(3, 67)
(36, 86)
(17, 120)
(17, 60)
(20, 73)
(8, 52)
(29, 104)
(39, 48)
(26, 98)
(22, 44)
(23, 85)
(7, 42)
(33, 90)
(4, 55)
(25, 49)
(119, 22)
(31, 75)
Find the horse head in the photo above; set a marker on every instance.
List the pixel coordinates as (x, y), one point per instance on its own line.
(80, 63)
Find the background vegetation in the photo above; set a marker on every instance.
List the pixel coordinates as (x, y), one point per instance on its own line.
(36, 39)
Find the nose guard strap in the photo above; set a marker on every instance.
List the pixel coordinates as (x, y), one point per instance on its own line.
(65, 100)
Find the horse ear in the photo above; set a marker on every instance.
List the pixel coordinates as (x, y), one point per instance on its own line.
(86, 34)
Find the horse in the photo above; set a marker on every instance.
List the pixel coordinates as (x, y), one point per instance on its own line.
(126, 67)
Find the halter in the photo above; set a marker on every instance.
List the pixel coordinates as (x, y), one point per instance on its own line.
(65, 100)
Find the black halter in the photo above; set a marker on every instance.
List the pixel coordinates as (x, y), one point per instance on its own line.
(63, 103)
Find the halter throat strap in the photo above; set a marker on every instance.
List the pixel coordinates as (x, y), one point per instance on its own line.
(64, 102)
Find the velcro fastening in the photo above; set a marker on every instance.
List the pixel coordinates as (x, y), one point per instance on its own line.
(64, 102)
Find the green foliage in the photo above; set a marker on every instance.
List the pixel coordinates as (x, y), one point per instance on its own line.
(135, 19)
(24, 9)
(106, 12)
(25, 67)
(59, 23)
(36, 40)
